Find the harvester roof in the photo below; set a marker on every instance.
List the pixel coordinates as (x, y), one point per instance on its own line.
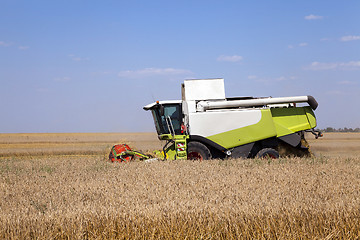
(151, 105)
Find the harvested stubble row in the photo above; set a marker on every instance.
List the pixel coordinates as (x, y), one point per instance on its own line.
(88, 198)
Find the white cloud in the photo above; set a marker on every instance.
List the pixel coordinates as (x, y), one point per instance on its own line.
(7, 44)
(303, 44)
(347, 83)
(252, 77)
(78, 59)
(149, 72)
(280, 79)
(234, 58)
(23, 47)
(352, 65)
(349, 38)
(4, 44)
(323, 66)
(313, 17)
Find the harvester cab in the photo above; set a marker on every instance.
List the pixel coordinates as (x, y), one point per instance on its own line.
(169, 123)
(205, 124)
(168, 118)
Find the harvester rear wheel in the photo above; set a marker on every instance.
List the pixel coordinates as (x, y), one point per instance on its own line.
(268, 153)
(197, 151)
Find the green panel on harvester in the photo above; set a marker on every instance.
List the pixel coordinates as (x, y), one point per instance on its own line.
(263, 129)
(290, 120)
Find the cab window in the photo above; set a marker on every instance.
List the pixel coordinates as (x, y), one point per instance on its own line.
(172, 111)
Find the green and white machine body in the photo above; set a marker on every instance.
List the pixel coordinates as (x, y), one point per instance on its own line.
(235, 127)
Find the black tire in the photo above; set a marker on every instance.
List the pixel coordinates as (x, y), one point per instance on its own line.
(267, 153)
(197, 151)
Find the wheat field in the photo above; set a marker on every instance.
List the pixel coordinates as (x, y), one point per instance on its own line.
(61, 186)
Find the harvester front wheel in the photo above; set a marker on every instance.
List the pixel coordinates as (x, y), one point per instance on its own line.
(268, 153)
(197, 151)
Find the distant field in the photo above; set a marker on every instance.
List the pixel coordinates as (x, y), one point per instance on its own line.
(336, 144)
(61, 186)
(332, 144)
(73, 143)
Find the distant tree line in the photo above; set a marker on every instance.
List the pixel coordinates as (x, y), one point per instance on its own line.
(345, 129)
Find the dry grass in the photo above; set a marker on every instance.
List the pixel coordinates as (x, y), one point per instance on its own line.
(86, 197)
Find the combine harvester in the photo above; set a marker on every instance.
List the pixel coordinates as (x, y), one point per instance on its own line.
(205, 124)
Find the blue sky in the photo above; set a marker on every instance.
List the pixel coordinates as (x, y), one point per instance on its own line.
(90, 66)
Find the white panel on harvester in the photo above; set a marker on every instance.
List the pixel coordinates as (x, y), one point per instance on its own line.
(203, 89)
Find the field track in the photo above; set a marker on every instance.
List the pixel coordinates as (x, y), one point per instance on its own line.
(61, 186)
